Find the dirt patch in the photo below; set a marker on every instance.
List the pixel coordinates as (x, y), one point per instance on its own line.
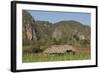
(83, 50)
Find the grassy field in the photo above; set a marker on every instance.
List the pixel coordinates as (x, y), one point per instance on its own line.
(30, 58)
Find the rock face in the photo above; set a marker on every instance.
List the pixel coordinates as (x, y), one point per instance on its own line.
(29, 32)
(57, 34)
(28, 26)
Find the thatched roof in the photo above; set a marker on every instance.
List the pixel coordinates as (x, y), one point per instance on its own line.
(58, 49)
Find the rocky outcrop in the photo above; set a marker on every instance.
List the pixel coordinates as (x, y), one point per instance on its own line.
(28, 26)
(57, 34)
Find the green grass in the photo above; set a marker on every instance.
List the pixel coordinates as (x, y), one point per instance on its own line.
(29, 58)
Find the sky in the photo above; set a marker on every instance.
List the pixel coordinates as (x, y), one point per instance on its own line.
(53, 16)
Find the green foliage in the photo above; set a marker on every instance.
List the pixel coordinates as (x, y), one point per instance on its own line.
(27, 18)
(26, 42)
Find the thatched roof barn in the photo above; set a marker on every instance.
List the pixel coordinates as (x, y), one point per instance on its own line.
(59, 49)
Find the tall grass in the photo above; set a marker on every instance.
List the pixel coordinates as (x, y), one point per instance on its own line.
(30, 58)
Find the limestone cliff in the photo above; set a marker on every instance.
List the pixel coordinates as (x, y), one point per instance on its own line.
(28, 26)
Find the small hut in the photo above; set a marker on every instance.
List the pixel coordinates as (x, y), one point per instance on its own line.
(60, 49)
